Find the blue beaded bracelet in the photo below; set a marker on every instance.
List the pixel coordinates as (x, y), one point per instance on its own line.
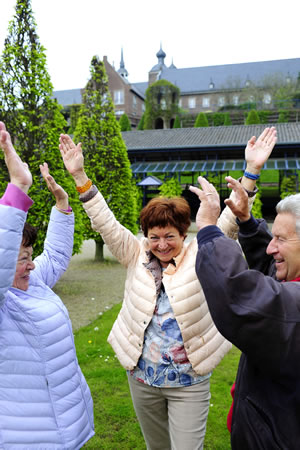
(250, 175)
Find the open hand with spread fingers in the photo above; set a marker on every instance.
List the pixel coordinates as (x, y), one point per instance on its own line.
(19, 172)
(238, 204)
(61, 197)
(258, 150)
(209, 209)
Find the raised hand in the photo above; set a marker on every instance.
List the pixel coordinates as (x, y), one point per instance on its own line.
(258, 150)
(209, 209)
(19, 172)
(73, 159)
(239, 205)
(59, 193)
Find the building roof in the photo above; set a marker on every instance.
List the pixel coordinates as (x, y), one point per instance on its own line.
(207, 149)
(197, 79)
(224, 136)
(68, 97)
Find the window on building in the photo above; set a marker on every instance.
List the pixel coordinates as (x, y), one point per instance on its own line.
(119, 113)
(206, 102)
(221, 101)
(251, 98)
(192, 102)
(235, 100)
(267, 99)
(134, 102)
(119, 97)
(180, 103)
(143, 107)
(163, 104)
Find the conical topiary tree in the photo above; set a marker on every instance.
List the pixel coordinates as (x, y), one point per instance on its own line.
(105, 153)
(252, 118)
(33, 118)
(124, 123)
(141, 123)
(177, 123)
(227, 120)
(201, 120)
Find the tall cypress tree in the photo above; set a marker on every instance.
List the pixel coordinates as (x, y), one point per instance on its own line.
(33, 117)
(105, 153)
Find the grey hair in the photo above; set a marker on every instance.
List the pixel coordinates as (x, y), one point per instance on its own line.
(291, 204)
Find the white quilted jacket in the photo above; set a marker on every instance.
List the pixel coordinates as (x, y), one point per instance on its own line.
(204, 345)
(45, 402)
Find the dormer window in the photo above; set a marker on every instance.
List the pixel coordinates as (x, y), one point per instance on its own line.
(211, 85)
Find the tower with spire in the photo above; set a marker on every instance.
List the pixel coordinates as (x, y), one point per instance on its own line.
(122, 70)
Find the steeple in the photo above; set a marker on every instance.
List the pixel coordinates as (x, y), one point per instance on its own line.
(122, 71)
(161, 57)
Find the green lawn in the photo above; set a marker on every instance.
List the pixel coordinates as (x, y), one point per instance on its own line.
(116, 426)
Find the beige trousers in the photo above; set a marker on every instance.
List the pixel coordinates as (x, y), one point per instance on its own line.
(171, 418)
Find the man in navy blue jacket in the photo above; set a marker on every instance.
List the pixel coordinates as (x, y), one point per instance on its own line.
(255, 304)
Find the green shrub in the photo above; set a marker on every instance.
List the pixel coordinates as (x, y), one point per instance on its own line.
(263, 116)
(201, 120)
(218, 119)
(227, 119)
(170, 188)
(177, 123)
(124, 123)
(252, 117)
(283, 116)
(288, 186)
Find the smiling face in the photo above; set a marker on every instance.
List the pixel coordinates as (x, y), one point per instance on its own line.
(285, 247)
(165, 243)
(24, 266)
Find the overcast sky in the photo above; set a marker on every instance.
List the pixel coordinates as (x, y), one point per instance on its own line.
(193, 33)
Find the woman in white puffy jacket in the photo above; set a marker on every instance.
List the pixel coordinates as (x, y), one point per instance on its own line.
(164, 335)
(45, 402)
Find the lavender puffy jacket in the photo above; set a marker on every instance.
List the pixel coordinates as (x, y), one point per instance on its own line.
(45, 402)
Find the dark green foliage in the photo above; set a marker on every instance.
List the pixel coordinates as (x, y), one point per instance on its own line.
(283, 116)
(201, 120)
(33, 117)
(177, 123)
(227, 120)
(257, 205)
(288, 186)
(74, 114)
(161, 102)
(170, 188)
(218, 119)
(252, 118)
(263, 116)
(141, 123)
(105, 153)
(124, 123)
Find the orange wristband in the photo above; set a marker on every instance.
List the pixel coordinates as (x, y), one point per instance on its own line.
(85, 187)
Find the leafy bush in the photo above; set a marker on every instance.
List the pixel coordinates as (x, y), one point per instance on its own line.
(177, 123)
(288, 186)
(252, 118)
(124, 123)
(201, 120)
(170, 188)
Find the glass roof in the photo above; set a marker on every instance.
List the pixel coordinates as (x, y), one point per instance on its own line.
(217, 165)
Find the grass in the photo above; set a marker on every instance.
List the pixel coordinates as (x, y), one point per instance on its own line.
(116, 426)
(92, 293)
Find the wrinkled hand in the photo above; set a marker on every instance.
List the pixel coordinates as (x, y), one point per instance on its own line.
(239, 204)
(59, 193)
(258, 150)
(209, 209)
(19, 172)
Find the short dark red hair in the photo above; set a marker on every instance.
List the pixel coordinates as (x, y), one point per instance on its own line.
(163, 211)
(29, 235)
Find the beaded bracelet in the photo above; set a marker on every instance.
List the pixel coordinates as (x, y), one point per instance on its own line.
(250, 175)
(85, 187)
